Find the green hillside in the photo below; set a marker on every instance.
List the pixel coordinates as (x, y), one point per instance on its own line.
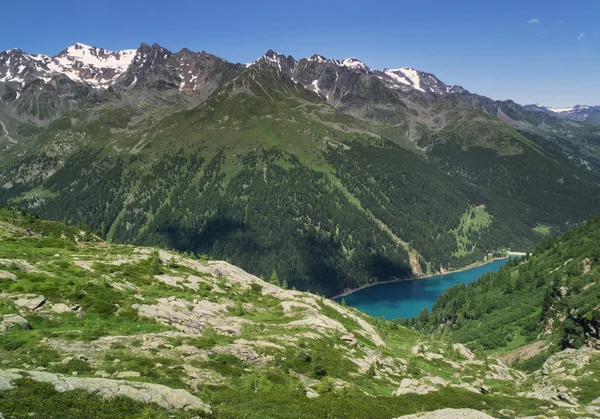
(548, 300)
(90, 329)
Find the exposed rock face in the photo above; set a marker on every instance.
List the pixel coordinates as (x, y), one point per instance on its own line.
(191, 317)
(7, 275)
(500, 371)
(558, 369)
(60, 308)
(367, 330)
(31, 303)
(312, 317)
(410, 385)
(142, 392)
(587, 265)
(450, 414)
(13, 321)
(128, 374)
(349, 338)
(464, 351)
(311, 394)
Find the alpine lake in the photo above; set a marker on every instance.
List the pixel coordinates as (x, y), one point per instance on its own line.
(406, 298)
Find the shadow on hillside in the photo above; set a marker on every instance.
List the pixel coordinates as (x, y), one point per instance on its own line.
(383, 268)
(217, 229)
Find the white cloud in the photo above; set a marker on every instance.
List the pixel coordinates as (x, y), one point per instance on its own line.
(534, 20)
(581, 35)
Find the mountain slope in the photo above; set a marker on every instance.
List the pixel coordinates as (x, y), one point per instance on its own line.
(82, 320)
(292, 183)
(326, 172)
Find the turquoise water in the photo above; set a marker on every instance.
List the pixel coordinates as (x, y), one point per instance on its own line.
(407, 298)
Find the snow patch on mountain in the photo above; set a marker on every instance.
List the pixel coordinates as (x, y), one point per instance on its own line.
(315, 87)
(96, 66)
(406, 76)
(559, 110)
(352, 62)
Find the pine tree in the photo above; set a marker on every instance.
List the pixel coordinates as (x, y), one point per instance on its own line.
(274, 279)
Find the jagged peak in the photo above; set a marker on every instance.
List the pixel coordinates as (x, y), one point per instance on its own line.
(270, 54)
(353, 62)
(13, 51)
(79, 50)
(273, 58)
(319, 58)
(156, 46)
(144, 47)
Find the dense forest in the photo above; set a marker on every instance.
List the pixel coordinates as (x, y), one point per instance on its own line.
(268, 213)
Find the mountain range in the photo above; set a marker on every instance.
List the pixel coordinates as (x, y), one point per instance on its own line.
(574, 113)
(325, 172)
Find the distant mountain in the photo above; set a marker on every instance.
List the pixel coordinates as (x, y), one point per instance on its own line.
(327, 172)
(575, 113)
(315, 72)
(95, 66)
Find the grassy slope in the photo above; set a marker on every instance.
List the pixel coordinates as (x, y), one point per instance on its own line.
(107, 279)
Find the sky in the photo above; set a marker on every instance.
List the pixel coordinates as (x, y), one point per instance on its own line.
(530, 51)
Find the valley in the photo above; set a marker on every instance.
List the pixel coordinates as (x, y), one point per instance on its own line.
(186, 237)
(326, 172)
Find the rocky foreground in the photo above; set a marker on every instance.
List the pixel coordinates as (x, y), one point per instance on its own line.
(183, 337)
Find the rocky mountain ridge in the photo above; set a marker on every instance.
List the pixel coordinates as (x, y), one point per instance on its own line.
(37, 88)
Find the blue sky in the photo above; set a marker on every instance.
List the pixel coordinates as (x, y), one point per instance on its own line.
(529, 50)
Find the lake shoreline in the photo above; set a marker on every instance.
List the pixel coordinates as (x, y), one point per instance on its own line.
(413, 278)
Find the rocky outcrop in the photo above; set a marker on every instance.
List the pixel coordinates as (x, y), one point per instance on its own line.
(561, 367)
(143, 392)
(30, 303)
(499, 371)
(367, 331)
(450, 414)
(423, 386)
(13, 321)
(191, 317)
(7, 275)
(464, 351)
(61, 308)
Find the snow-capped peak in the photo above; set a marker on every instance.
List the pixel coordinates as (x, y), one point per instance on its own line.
(80, 62)
(352, 62)
(99, 57)
(574, 113)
